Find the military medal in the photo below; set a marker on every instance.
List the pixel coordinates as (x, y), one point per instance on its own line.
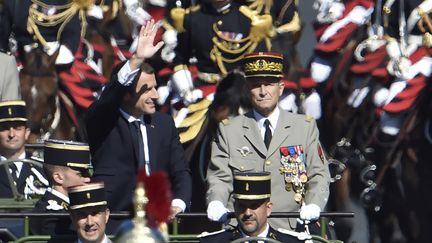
(293, 168)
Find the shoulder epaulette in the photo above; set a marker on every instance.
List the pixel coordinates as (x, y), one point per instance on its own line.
(308, 118)
(225, 121)
(205, 233)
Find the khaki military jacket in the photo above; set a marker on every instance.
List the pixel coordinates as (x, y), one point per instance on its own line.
(239, 146)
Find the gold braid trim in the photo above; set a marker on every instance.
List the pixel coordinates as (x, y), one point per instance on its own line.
(37, 18)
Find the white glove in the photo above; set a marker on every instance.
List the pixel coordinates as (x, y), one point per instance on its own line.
(310, 212)
(182, 83)
(138, 15)
(163, 92)
(312, 105)
(320, 69)
(95, 12)
(65, 56)
(216, 211)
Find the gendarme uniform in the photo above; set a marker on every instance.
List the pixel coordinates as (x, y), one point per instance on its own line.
(250, 186)
(88, 196)
(61, 153)
(18, 178)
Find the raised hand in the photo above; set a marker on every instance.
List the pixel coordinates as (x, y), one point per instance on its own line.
(145, 48)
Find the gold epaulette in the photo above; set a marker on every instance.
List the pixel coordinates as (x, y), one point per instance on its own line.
(308, 118)
(178, 15)
(83, 3)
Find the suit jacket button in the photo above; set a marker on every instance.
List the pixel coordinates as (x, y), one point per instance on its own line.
(268, 162)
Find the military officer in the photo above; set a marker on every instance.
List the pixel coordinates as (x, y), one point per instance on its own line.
(66, 164)
(218, 34)
(269, 139)
(29, 180)
(89, 212)
(55, 25)
(252, 206)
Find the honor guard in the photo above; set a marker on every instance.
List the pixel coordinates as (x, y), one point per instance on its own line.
(17, 179)
(55, 25)
(252, 206)
(218, 34)
(66, 163)
(88, 210)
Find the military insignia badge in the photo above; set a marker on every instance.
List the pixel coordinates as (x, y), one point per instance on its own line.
(53, 205)
(244, 151)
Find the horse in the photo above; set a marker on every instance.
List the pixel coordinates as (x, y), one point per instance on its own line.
(49, 111)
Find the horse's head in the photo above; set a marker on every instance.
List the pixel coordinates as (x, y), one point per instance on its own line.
(39, 86)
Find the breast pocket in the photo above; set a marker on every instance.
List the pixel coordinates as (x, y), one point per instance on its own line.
(240, 164)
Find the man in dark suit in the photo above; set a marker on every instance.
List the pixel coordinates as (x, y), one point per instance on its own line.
(126, 133)
(17, 178)
(252, 206)
(67, 164)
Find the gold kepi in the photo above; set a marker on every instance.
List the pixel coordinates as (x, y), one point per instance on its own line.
(263, 64)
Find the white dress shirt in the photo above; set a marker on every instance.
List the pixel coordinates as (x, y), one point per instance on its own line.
(273, 119)
(19, 165)
(262, 234)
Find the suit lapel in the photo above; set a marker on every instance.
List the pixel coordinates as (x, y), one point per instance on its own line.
(282, 131)
(25, 172)
(252, 133)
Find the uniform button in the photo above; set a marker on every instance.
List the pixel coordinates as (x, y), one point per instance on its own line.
(242, 167)
(268, 162)
(219, 22)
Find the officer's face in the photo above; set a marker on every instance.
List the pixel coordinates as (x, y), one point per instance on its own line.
(143, 97)
(264, 94)
(252, 215)
(90, 223)
(13, 136)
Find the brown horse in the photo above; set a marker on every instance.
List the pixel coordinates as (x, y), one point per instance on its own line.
(48, 116)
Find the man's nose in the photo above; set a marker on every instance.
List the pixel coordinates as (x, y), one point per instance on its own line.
(89, 219)
(11, 132)
(155, 94)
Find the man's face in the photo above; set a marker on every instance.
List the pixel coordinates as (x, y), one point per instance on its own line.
(73, 177)
(13, 136)
(265, 93)
(143, 97)
(252, 215)
(90, 223)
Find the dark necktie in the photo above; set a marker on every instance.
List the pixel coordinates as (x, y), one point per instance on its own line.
(267, 134)
(14, 170)
(138, 142)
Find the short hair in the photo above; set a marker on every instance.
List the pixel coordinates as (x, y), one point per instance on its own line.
(50, 169)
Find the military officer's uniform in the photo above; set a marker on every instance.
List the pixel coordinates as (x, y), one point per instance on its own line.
(28, 179)
(254, 186)
(239, 147)
(61, 153)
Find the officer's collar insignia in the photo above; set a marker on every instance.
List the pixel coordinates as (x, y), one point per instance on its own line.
(244, 151)
(53, 205)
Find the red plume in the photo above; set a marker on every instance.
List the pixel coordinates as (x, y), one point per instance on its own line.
(158, 191)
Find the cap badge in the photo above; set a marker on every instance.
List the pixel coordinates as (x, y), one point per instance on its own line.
(10, 111)
(247, 187)
(88, 195)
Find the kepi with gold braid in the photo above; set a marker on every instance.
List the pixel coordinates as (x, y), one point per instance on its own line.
(13, 110)
(252, 185)
(89, 195)
(263, 64)
(67, 153)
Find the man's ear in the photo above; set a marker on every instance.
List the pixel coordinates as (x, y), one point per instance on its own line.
(107, 214)
(58, 177)
(27, 133)
(281, 87)
(269, 206)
